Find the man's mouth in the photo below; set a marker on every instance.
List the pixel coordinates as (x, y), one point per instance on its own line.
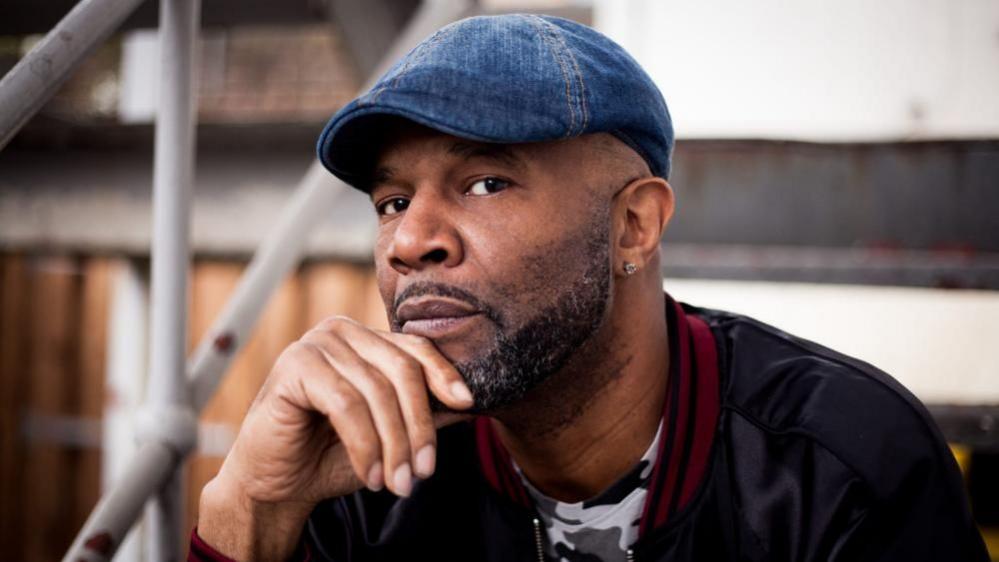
(435, 317)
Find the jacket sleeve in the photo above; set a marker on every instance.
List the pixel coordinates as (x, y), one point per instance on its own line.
(200, 551)
(837, 462)
(920, 509)
(929, 521)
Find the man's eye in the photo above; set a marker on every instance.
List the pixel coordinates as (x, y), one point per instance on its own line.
(392, 206)
(486, 186)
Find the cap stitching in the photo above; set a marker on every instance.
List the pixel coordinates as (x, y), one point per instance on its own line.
(542, 29)
(423, 54)
(551, 39)
(579, 75)
(418, 55)
(420, 49)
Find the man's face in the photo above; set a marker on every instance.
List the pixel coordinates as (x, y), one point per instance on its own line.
(498, 254)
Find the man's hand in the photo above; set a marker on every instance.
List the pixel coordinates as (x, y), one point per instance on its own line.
(344, 407)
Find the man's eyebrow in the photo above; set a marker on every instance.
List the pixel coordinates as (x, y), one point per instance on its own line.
(499, 152)
(380, 175)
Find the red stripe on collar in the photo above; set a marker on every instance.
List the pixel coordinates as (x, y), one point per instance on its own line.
(496, 464)
(692, 403)
(690, 412)
(708, 405)
(676, 412)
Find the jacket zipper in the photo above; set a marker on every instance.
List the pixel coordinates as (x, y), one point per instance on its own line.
(537, 540)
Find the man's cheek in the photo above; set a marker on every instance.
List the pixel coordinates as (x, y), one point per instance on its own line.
(386, 279)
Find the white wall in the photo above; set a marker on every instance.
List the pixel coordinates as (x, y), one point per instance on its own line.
(942, 345)
(818, 70)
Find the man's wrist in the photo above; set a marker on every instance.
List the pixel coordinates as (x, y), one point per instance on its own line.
(243, 529)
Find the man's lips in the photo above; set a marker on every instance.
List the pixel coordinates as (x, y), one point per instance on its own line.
(434, 317)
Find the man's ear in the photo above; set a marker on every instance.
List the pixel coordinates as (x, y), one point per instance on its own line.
(643, 209)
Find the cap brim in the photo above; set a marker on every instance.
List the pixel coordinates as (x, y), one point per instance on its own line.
(350, 144)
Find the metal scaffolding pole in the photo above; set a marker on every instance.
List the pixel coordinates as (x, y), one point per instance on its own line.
(119, 509)
(275, 258)
(125, 378)
(33, 80)
(168, 399)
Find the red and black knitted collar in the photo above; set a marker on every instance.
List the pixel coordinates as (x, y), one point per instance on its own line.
(690, 415)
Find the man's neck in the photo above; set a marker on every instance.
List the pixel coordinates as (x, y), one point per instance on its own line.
(584, 427)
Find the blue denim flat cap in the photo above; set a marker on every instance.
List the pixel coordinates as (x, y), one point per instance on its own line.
(506, 79)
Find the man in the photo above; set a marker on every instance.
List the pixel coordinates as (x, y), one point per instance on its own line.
(539, 397)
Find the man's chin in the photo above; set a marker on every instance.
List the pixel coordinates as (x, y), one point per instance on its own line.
(465, 346)
(480, 408)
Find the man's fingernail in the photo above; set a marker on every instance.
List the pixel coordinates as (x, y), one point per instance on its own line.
(461, 392)
(403, 480)
(425, 461)
(375, 477)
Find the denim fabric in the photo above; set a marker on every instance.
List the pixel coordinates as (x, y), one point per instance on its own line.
(508, 79)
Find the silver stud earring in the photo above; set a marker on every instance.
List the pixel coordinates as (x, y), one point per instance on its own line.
(630, 268)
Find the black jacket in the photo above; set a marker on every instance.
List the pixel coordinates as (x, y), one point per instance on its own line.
(779, 450)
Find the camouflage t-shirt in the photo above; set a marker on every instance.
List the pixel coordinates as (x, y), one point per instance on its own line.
(600, 529)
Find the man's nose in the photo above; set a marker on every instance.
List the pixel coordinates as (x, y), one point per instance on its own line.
(425, 236)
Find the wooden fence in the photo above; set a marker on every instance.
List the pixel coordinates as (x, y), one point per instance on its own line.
(53, 337)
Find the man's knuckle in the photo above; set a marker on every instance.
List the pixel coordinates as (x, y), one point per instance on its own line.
(293, 350)
(406, 369)
(320, 334)
(347, 403)
(367, 449)
(423, 429)
(334, 323)
(320, 339)
(293, 358)
(380, 387)
(398, 447)
(410, 367)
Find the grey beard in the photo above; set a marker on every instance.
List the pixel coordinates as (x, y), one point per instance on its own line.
(542, 346)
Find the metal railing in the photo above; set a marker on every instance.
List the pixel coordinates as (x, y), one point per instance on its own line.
(33, 80)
